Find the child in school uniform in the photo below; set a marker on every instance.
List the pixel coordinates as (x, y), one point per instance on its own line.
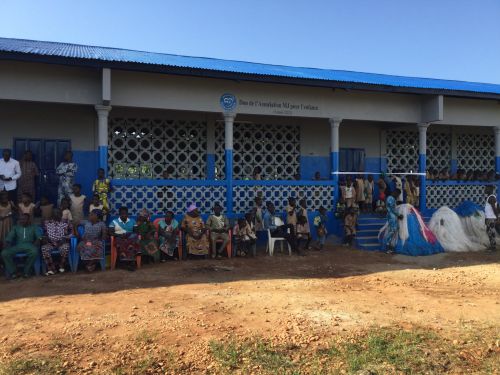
(320, 221)
(350, 221)
(77, 204)
(27, 206)
(45, 208)
(66, 212)
(97, 204)
(303, 232)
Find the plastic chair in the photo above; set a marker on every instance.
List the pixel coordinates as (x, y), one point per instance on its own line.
(271, 241)
(229, 247)
(36, 265)
(74, 255)
(156, 223)
(114, 255)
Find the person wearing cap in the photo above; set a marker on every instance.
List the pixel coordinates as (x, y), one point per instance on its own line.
(196, 233)
(218, 224)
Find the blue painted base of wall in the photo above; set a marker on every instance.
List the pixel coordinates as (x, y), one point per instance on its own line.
(103, 158)
(88, 162)
(497, 164)
(322, 164)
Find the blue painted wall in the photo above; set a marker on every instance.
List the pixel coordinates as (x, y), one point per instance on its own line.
(88, 162)
(312, 164)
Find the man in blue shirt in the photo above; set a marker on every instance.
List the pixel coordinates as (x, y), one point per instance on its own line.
(277, 229)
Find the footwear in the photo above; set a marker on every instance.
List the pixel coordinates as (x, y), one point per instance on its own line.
(62, 270)
(49, 273)
(26, 276)
(12, 277)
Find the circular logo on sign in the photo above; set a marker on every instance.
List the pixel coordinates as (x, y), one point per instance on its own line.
(228, 102)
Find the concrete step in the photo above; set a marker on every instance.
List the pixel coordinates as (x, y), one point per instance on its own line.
(367, 232)
(368, 246)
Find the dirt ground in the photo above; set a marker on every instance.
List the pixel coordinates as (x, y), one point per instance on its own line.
(104, 321)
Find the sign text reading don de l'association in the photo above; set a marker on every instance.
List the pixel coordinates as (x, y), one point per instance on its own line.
(284, 107)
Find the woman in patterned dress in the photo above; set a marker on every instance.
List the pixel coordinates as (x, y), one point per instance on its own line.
(168, 234)
(126, 240)
(29, 170)
(196, 233)
(91, 247)
(147, 230)
(66, 172)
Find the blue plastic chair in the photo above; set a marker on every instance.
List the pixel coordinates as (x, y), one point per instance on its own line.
(56, 252)
(36, 266)
(74, 256)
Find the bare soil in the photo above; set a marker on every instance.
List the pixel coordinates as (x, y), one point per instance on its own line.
(108, 322)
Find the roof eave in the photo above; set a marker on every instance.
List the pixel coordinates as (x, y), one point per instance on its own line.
(208, 73)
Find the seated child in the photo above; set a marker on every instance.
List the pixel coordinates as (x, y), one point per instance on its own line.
(27, 206)
(350, 220)
(303, 232)
(45, 209)
(244, 237)
(77, 203)
(250, 233)
(96, 204)
(320, 221)
(66, 212)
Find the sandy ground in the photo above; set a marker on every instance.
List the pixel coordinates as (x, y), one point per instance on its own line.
(93, 322)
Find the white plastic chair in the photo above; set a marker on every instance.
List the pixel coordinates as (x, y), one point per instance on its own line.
(271, 241)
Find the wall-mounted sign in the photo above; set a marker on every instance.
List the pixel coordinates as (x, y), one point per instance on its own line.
(228, 102)
(283, 107)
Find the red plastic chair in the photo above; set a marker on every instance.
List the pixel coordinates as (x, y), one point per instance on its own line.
(229, 247)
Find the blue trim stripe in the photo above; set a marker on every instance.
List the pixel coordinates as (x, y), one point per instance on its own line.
(103, 158)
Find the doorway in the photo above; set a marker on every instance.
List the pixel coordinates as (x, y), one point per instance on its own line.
(47, 154)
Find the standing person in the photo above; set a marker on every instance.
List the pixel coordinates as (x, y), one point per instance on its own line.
(46, 208)
(320, 221)
(391, 234)
(360, 192)
(491, 216)
(29, 170)
(6, 212)
(218, 224)
(277, 229)
(66, 212)
(398, 183)
(23, 238)
(410, 191)
(348, 193)
(10, 172)
(291, 212)
(350, 221)
(26, 206)
(168, 235)
(126, 240)
(250, 234)
(369, 186)
(302, 211)
(66, 172)
(77, 200)
(56, 236)
(239, 237)
(102, 187)
(258, 214)
(382, 187)
(303, 232)
(196, 233)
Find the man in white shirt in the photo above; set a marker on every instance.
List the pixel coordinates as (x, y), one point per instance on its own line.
(10, 171)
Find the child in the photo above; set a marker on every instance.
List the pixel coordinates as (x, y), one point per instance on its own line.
(101, 187)
(258, 214)
(348, 193)
(239, 236)
(27, 206)
(303, 232)
(97, 204)
(380, 207)
(66, 212)
(349, 227)
(46, 208)
(291, 211)
(6, 211)
(302, 211)
(77, 202)
(250, 234)
(320, 222)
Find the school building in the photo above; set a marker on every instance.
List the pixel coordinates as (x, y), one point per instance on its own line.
(210, 122)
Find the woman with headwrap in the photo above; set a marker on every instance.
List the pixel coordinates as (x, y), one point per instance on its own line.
(196, 233)
(147, 230)
(91, 247)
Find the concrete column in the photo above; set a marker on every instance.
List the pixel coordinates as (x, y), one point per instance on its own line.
(454, 151)
(497, 149)
(228, 152)
(422, 162)
(334, 157)
(102, 135)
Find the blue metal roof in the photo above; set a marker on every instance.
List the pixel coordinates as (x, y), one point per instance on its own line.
(106, 54)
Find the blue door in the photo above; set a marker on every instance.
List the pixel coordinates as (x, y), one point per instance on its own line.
(352, 160)
(47, 154)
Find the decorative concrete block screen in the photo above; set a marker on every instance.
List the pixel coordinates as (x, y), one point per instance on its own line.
(144, 148)
(402, 150)
(476, 152)
(273, 148)
(244, 195)
(452, 194)
(157, 199)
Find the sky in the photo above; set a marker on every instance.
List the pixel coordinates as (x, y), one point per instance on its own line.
(447, 39)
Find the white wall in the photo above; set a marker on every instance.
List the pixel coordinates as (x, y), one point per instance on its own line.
(51, 121)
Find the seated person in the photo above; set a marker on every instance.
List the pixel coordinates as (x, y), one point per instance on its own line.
(168, 235)
(274, 224)
(57, 234)
(91, 247)
(444, 175)
(126, 240)
(303, 232)
(22, 238)
(196, 233)
(147, 231)
(251, 233)
(350, 221)
(244, 236)
(218, 224)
